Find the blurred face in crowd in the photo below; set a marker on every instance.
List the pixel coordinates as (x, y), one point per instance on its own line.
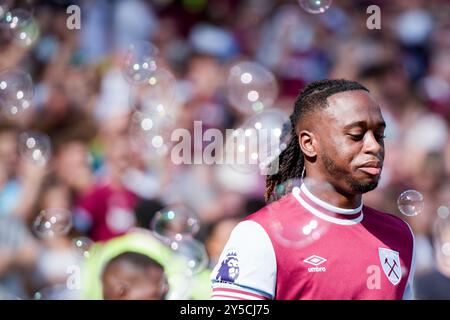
(58, 196)
(119, 154)
(8, 149)
(124, 281)
(205, 76)
(349, 142)
(71, 165)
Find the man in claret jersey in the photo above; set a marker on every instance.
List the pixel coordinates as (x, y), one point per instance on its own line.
(336, 150)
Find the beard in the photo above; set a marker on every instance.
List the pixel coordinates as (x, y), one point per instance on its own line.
(355, 185)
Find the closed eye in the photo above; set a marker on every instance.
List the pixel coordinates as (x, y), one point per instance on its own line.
(356, 137)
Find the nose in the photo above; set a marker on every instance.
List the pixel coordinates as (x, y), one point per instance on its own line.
(373, 146)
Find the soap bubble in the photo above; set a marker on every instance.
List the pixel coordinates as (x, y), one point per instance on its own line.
(410, 203)
(315, 6)
(35, 148)
(150, 131)
(174, 223)
(83, 246)
(256, 144)
(22, 26)
(190, 254)
(4, 8)
(53, 222)
(16, 91)
(140, 62)
(251, 87)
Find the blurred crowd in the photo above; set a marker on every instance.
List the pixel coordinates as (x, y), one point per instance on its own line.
(82, 102)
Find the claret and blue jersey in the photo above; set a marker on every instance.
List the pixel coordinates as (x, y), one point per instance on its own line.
(356, 253)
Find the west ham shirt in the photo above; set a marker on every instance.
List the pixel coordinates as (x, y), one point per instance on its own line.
(301, 247)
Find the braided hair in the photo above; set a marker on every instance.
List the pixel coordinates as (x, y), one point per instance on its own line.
(313, 97)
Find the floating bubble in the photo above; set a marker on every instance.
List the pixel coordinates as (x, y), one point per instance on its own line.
(296, 234)
(53, 222)
(297, 230)
(35, 148)
(16, 91)
(190, 254)
(180, 286)
(23, 26)
(410, 203)
(251, 87)
(175, 223)
(443, 212)
(83, 246)
(315, 6)
(445, 249)
(150, 131)
(256, 145)
(4, 7)
(159, 88)
(140, 62)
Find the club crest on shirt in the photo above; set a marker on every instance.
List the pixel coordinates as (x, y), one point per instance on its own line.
(390, 262)
(229, 269)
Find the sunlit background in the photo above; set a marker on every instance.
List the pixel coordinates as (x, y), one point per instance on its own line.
(87, 114)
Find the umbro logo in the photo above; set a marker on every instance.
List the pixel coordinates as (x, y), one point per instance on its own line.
(316, 261)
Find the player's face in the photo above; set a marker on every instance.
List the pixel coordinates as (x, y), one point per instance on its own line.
(351, 140)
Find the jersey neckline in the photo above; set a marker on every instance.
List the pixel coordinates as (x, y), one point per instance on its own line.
(325, 210)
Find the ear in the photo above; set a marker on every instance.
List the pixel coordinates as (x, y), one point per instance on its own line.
(307, 142)
(165, 288)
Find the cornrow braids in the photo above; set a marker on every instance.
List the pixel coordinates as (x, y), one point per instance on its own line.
(312, 98)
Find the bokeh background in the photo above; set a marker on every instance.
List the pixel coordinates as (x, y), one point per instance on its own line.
(80, 169)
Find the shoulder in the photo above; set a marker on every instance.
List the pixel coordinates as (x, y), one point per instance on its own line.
(390, 222)
(249, 233)
(247, 264)
(275, 209)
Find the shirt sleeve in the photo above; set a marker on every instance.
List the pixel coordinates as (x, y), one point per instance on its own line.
(409, 289)
(247, 266)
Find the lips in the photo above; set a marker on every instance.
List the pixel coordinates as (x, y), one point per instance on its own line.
(372, 168)
(371, 171)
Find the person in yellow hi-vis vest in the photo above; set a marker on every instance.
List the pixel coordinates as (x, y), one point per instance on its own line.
(143, 242)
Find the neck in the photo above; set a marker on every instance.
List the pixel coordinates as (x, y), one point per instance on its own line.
(325, 192)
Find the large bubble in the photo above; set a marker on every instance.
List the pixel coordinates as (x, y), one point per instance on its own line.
(35, 148)
(190, 254)
(410, 203)
(16, 91)
(22, 26)
(298, 231)
(82, 246)
(150, 131)
(256, 144)
(175, 223)
(251, 87)
(315, 6)
(53, 222)
(139, 63)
